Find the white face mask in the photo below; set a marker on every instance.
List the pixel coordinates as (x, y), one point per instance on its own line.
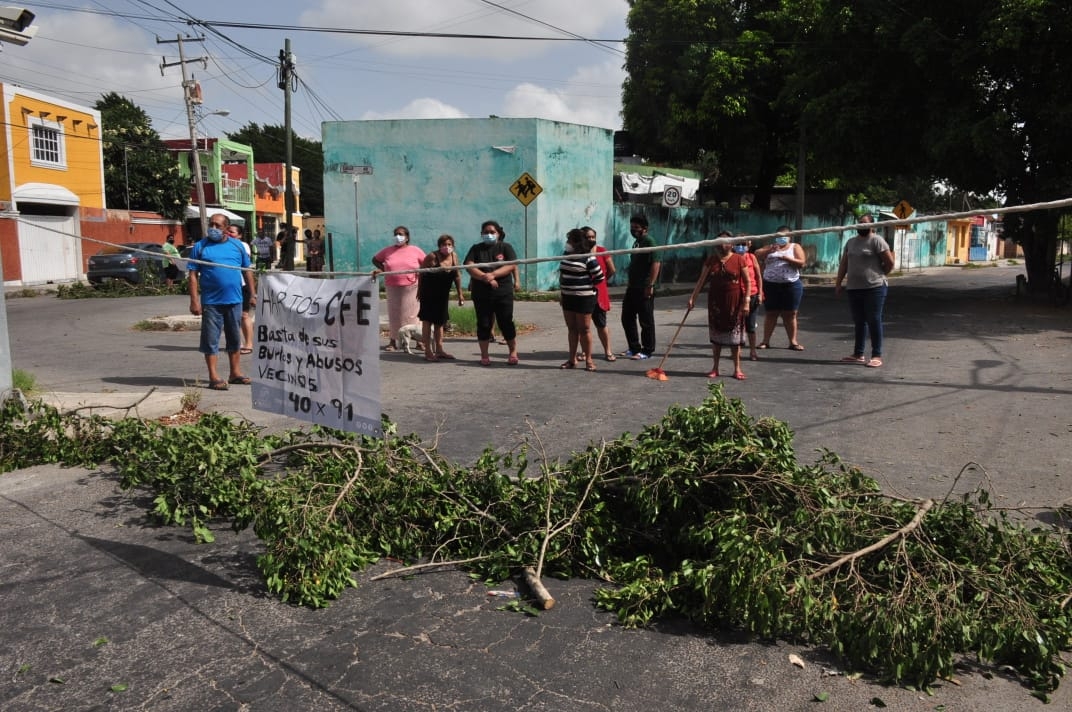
(400, 239)
(446, 249)
(489, 237)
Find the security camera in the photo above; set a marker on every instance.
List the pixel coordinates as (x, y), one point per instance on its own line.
(15, 25)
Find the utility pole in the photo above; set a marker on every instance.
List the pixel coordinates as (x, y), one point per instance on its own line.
(188, 85)
(286, 83)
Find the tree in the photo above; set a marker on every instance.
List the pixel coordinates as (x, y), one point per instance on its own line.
(710, 78)
(976, 94)
(269, 146)
(139, 173)
(972, 94)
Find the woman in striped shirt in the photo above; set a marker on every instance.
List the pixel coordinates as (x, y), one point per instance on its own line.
(578, 275)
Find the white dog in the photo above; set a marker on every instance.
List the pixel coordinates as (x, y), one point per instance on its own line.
(408, 333)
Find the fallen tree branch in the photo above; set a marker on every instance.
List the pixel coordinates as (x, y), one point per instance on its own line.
(416, 568)
(541, 594)
(125, 408)
(900, 533)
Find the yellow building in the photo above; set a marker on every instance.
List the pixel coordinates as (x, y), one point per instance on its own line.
(52, 179)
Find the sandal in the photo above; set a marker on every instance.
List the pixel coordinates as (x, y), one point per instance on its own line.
(240, 380)
(512, 361)
(874, 362)
(610, 357)
(853, 359)
(245, 350)
(445, 356)
(569, 364)
(740, 376)
(217, 385)
(431, 358)
(485, 361)
(388, 347)
(590, 365)
(712, 374)
(796, 347)
(763, 346)
(753, 357)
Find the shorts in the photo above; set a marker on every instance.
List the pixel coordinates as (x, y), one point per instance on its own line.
(247, 298)
(217, 318)
(171, 272)
(783, 296)
(578, 305)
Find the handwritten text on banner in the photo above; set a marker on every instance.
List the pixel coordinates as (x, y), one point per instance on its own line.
(316, 346)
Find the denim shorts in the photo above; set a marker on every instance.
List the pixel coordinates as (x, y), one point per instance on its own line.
(783, 296)
(217, 318)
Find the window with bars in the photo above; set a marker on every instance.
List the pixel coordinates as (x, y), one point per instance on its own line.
(47, 146)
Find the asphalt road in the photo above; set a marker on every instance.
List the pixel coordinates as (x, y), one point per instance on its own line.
(973, 377)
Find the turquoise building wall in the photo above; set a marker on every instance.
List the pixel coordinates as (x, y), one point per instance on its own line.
(923, 247)
(671, 226)
(440, 176)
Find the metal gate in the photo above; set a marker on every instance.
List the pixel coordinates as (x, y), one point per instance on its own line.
(49, 248)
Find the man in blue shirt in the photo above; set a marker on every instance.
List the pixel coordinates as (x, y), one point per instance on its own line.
(216, 296)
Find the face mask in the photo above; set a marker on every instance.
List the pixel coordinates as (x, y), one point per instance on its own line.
(215, 234)
(740, 249)
(864, 231)
(489, 237)
(446, 250)
(400, 239)
(589, 244)
(781, 241)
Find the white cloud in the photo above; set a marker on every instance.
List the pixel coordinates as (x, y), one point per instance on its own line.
(466, 17)
(591, 97)
(425, 108)
(60, 61)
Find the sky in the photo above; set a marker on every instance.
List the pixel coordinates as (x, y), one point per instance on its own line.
(573, 73)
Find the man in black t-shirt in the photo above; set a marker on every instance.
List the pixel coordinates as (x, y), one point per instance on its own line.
(638, 304)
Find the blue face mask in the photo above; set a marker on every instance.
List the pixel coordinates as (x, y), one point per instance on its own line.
(781, 241)
(215, 234)
(489, 237)
(740, 249)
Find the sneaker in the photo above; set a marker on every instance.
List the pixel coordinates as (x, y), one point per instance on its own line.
(628, 353)
(639, 356)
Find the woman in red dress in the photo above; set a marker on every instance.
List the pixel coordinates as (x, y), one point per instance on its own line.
(729, 281)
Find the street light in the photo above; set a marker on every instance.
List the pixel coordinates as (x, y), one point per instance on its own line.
(16, 29)
(202, 115)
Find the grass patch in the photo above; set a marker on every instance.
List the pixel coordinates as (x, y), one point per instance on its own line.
(461, 321)
(24, 381)
(26, 293)
(155, 325)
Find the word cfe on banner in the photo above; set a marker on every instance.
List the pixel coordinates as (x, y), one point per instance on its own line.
(317, 351)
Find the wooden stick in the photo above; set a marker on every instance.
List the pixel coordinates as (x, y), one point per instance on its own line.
(924, 508)
(528, 575)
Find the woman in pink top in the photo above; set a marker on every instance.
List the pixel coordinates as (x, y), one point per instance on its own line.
(402, 304)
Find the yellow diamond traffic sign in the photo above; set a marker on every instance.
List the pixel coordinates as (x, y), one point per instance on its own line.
(526, 189)
(903, 209)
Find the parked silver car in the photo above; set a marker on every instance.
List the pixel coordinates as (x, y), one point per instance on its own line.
(126, 263)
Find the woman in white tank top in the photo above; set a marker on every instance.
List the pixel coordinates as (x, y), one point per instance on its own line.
(782, 288)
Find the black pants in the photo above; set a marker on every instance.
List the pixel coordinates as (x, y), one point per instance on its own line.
(494, 308)
(637, 307)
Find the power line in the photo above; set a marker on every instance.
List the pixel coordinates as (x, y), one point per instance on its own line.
(396, 33)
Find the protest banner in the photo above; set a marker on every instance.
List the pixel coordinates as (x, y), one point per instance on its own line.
(316, 351)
